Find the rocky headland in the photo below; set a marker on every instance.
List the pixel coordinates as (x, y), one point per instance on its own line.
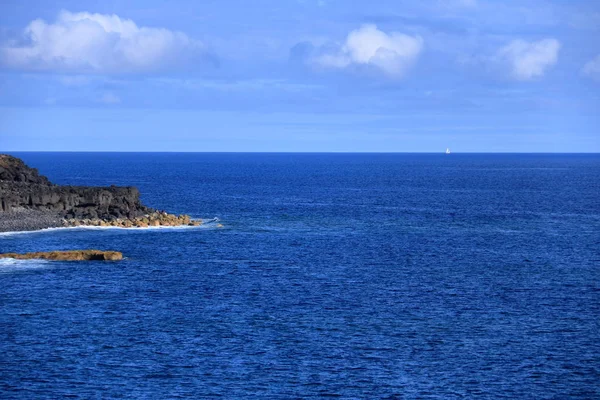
(69, 255)
(29, 201)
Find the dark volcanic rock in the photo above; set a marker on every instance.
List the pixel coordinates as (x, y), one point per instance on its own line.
(13, 169)
(22, 188)
(28, 201)
(72, 201)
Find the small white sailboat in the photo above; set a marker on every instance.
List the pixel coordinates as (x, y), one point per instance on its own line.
(447, 150)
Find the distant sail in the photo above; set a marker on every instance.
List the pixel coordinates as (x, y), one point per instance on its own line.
(447, 151)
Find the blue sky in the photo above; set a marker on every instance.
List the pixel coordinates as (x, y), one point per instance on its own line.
(300, 75)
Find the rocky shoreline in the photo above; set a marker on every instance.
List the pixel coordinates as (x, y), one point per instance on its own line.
(29, 201)
(144, 221)
(29, 220)
(33, 220)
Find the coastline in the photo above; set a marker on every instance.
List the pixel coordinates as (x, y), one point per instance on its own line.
(28, 220)
(107, 228)
(30, 202)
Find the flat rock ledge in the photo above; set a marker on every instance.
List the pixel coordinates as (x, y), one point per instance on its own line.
(70, 255)
(145, 221)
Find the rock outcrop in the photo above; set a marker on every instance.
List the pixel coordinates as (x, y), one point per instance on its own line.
(24, 193)
(13, 169)
(71, 255)
(23, 187)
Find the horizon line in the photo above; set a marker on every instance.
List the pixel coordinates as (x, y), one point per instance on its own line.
(290, 152)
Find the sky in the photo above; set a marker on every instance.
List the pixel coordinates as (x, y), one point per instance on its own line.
(300, 75)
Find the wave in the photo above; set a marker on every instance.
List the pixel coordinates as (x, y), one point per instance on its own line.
(11, 264)
(208, 224)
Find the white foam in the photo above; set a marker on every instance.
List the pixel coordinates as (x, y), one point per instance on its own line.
(210, 224)
(12, 265)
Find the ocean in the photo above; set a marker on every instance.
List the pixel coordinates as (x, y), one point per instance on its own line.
(358, 276)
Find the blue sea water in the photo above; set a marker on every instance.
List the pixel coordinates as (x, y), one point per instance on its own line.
(335, 275)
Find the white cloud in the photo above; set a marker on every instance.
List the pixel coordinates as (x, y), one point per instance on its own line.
(592, 68)
(393, 54)
(97, 43)
(529, 60)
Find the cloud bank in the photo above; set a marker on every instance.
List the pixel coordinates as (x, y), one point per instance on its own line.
(96, 43)
(391, 54)
(529, 60)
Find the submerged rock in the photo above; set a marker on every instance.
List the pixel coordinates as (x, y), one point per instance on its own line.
(70, 255)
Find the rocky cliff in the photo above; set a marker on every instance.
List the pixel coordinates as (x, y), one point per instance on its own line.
(13, 169)
(29, 201)
(22, 187)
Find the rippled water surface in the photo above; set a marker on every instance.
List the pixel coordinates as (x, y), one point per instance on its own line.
(357, 276)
